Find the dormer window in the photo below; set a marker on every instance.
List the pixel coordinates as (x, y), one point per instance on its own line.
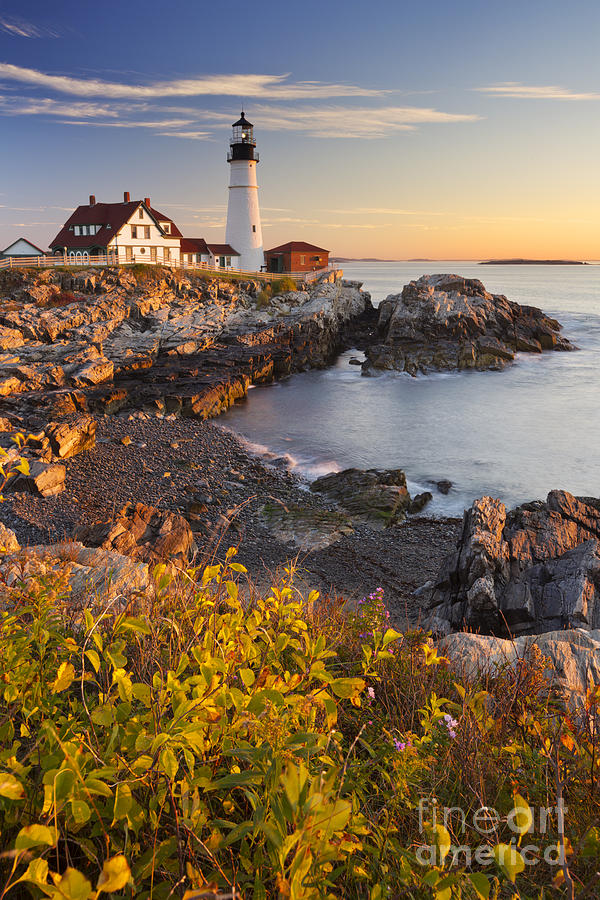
(166, 227)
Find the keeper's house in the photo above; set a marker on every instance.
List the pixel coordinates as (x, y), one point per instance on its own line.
(195, 251)
(296, 256)
(21, 248)
(127, 232)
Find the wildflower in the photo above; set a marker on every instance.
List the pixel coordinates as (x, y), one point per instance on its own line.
(371, 693)
(401, 745)
(450, 724)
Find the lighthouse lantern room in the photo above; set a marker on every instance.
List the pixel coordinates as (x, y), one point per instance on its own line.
(244, 230)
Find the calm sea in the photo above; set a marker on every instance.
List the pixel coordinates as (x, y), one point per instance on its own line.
(514, 434)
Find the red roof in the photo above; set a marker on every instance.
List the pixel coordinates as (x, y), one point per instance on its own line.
(222, 250)
(296, 245)
(114, 214)
(194, 245)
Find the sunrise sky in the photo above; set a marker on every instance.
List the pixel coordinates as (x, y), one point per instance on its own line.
(443, 130)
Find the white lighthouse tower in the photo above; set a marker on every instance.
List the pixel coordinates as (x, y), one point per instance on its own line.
(244, 232)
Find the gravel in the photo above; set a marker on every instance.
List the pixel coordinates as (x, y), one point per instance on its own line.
(172, 462)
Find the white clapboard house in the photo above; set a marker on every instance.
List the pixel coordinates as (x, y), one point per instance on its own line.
(21, 248)
(134, 232)
(131, 231)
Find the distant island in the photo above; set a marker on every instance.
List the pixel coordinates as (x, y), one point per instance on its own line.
(342, 259)
(533, 262)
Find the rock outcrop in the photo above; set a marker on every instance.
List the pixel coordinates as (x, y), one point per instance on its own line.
(379, 498)
(107, 340)
(451, 322)
(573, 658)
(143, 533)
(85, 577)
(535, 569)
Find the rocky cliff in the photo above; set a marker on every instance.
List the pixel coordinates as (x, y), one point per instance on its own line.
(105, 340)
(451, 322)
(535, 569)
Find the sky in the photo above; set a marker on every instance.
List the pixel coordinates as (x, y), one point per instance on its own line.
(445, 130)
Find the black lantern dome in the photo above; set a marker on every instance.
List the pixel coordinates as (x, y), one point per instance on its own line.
(242, 143)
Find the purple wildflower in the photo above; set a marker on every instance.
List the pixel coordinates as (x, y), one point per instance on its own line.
(450, 724)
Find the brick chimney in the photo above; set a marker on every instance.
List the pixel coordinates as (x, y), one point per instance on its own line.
(92, 200)
(147, 201)
(126, 197)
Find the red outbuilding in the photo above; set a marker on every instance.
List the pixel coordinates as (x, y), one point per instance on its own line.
(296, 256)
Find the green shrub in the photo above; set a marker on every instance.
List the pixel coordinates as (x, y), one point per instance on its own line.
(206, 742)
(283, 285)
(263, 298)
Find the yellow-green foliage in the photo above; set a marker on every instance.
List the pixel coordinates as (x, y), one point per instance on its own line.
(273, 289)
(264, 748)
(283, 285)
(263, 298)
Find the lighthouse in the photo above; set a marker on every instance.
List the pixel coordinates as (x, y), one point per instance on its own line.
(243, 231)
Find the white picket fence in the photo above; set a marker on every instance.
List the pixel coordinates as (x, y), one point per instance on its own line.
(49, 262)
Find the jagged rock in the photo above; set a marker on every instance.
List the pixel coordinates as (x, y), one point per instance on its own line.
(188, 346)
(8, 540)
(419, 502)
(380, 498)
(95, 372)
(70, 438)
(92, 577)
(10, 337)
(45, 479)
(574, 657)
(142, 532)
(451, 322)
(533, 570)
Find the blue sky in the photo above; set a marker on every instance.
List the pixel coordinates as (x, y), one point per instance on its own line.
(395, 130)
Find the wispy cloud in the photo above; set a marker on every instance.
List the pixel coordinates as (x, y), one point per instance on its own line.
(21, 28)
(515, 90)
(250, 85)
(187, 135)
(29, 106)
(383, 211)
(141, 106)
(341, 122)
(152, 123)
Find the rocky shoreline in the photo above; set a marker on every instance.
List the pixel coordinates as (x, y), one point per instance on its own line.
(112, 389)
(174, 463)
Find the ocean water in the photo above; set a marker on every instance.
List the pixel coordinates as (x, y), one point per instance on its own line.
(514, 434)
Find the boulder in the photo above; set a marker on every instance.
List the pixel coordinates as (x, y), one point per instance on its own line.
(378, 497)
(451, 322)
(142, 532)
(573, 656)
(89, 577)
(8, 540)
(45, 479)
(95, 372)
(419, 502)
(70, 438)
(532, 570)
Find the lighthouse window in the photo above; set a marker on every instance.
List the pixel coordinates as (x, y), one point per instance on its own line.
(254, 228)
